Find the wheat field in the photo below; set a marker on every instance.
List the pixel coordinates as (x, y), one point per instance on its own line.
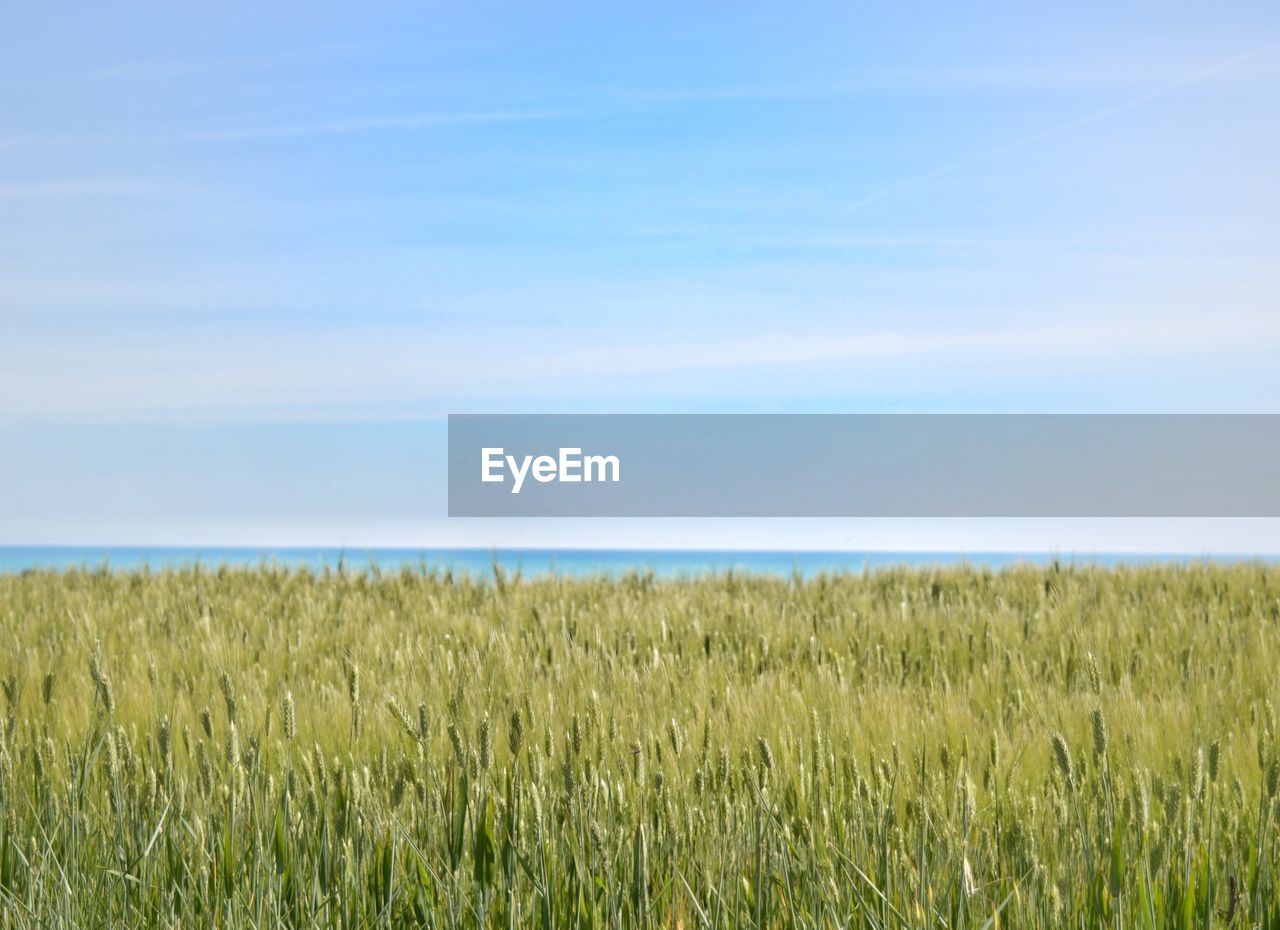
(1036, 747)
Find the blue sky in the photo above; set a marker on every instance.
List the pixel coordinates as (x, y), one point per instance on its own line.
(249, 258)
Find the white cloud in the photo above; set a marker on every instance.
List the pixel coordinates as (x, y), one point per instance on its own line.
(78, 187)
(370, 370)
(363, 124)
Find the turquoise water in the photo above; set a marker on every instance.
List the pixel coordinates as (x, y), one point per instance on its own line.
(665, 563)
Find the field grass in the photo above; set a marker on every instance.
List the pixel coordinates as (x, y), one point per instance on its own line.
(955, 748)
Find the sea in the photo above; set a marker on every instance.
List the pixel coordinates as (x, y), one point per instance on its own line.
(665, 563)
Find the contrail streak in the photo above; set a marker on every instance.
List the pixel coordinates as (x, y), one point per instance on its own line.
(1096, 117)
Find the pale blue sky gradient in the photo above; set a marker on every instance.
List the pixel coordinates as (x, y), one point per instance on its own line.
(249, 258)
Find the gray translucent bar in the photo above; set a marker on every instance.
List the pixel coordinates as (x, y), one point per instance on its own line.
(866, 465)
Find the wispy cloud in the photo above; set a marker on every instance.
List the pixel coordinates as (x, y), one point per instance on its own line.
(732, 235)
(1093, 342)
(364, 124)
(376, 371)
(285, 129)
(156, 67)
(585, 108)
(77, 187)
(589, 104)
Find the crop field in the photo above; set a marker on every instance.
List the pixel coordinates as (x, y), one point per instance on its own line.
(1037, 747)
